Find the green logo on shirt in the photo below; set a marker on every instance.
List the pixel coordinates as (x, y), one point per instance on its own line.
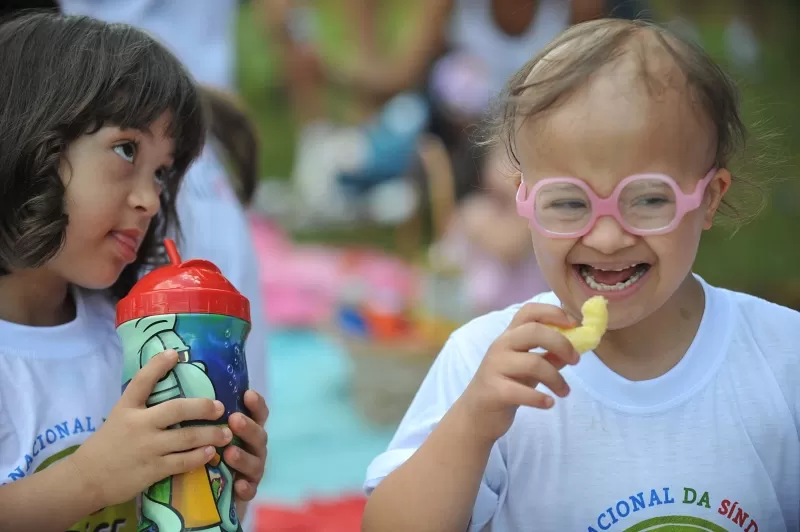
(675, 523)
(119, 518)
(703, 502)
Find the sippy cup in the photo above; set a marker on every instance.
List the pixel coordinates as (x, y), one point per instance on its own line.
(192, 308)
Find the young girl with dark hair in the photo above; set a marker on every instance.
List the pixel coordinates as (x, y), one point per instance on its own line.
(99, 124)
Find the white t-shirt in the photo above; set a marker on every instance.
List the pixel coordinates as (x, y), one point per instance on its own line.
(472, 30)
(199, 32)
(711, 445)
(57, 384)
(215, 228)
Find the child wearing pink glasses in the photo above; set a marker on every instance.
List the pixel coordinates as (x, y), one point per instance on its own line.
(686, 415)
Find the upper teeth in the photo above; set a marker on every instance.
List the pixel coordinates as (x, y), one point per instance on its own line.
(606, 287)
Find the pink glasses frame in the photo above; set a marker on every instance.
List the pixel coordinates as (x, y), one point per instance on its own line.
(608, 206)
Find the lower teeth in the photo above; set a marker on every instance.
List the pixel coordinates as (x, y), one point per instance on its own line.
(611, 287)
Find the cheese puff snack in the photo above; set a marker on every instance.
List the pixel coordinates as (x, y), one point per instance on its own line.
(586, 337)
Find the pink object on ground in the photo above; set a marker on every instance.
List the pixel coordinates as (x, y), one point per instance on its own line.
(302, 283)
(298, 283)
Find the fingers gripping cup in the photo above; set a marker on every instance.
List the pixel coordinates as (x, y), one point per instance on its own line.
(192, 308)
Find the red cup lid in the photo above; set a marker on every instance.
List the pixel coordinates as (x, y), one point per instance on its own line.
(191, 287)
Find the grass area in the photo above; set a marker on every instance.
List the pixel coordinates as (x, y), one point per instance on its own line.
(762, 256)
(757, 257)
(258, 76)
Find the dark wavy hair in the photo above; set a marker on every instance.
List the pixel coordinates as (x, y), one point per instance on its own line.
(67, 76)
(233, 130)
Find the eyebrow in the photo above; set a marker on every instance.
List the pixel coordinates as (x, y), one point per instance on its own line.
(560, 187)
(645, 183)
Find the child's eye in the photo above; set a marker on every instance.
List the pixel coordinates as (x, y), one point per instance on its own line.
(126, 150)
(651, 201)
(568, 204)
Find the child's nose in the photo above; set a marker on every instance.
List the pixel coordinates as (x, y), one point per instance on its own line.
(608, 236)
(145, 197)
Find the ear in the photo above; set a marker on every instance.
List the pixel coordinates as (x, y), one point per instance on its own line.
(716, 190)
(517, 179)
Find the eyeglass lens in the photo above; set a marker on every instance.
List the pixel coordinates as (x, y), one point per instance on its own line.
(646, 204)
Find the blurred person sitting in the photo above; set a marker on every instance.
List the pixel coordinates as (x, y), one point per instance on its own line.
(490, 242)
(353, 166)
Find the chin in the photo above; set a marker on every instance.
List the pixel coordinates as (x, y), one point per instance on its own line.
(98, 278)
(622, 317)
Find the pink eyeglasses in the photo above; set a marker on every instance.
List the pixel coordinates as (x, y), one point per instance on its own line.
(643, 204)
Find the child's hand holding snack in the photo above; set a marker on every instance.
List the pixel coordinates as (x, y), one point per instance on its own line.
(509, 374)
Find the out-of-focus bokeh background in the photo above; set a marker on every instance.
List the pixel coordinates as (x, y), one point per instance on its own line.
(353, 160)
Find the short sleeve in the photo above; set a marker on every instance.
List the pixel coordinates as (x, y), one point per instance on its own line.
(448, 377)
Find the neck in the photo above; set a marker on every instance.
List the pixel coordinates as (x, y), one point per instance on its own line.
(35, 298)
(653, 346)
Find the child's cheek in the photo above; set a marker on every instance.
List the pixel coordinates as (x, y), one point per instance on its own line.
(551, 257)
(551, 252)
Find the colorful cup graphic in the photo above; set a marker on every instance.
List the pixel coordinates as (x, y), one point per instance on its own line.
(192, 308)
